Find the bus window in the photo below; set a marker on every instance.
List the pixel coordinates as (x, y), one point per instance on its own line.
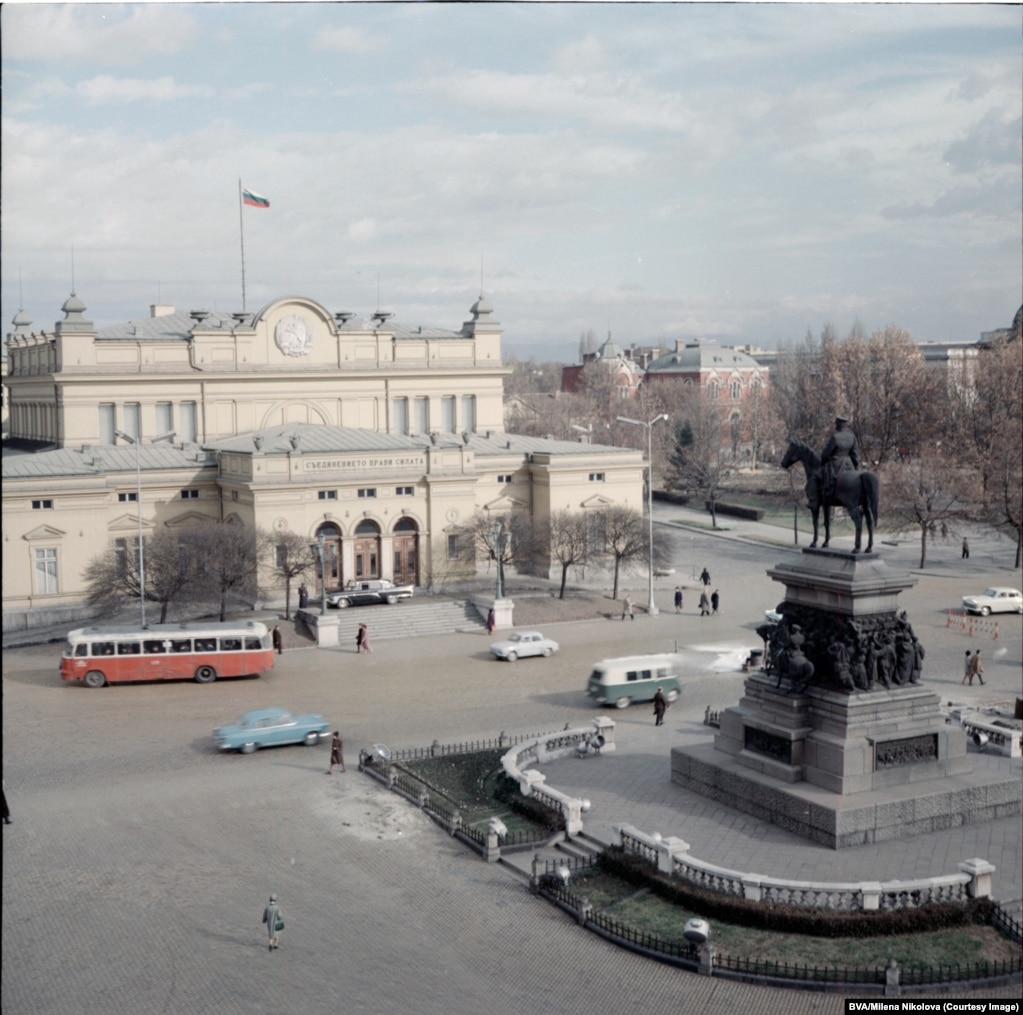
(647, 674)
(127, 648)
(102, 648)
(632, 675)
(81, 649)
(154, 648)
(206, 644)
(181, 645)
(254, 643)
(230, 644)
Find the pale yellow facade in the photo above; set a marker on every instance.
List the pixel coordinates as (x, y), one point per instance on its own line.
(383, 439)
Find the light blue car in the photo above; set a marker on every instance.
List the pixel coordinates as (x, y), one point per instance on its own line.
(270, 727)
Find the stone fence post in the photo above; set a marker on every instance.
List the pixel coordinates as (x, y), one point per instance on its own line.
(980, 872)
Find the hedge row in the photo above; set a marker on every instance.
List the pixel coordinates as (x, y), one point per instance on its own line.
(751, 514)
(832, 923)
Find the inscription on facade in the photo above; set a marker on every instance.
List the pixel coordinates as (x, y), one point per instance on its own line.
(911, 751)
(359, 464)
(767, 744)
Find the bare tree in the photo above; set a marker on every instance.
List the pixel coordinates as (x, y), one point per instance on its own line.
(508, 539)
(568, 539)
(697, 462)
(925, 493)
(624, 537)
(227, 555)
(288, 557)
(112, 578)
(801, 394)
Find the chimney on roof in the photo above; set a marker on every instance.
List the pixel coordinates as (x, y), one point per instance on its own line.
(160, 310)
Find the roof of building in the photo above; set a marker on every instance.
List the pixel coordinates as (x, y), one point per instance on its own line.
(93, 460)
(695, 357)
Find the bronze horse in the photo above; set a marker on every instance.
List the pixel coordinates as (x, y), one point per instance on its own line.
(855, 490)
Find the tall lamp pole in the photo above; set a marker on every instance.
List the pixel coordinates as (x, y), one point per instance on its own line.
(319, 551)
(137, 441)
(651, 605)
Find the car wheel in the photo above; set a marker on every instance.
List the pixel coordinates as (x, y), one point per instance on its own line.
(205, 675)
(672, 696)
(623, 703)
(985, 611)
(342, 603)
(311, 739)
(392, 600)
(512, 656)
(547, 652)
(94, 679)
(247, 748)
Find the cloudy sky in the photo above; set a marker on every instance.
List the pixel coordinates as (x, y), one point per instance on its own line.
(661, 170)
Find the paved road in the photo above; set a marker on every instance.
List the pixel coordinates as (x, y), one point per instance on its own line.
(139, 861)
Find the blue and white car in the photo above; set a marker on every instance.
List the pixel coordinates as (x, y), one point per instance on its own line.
(270, 727)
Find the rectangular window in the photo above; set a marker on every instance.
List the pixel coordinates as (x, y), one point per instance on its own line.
(447, 414)
(164, 417)
(42, 505)
(596, 477)
(186, 423)
(469, 413)
(128, 498)
(327, 494)
(400, 423)
(453, 547)
(368, 491)
(505, 478)
(46, 572)
(234, 495)
(404, 491)
(122, 547)
(189, 494)
(107, 422)
(132, 419)
(422, 418)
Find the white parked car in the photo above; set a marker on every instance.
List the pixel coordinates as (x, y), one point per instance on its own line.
(523, 643)
(994, 601)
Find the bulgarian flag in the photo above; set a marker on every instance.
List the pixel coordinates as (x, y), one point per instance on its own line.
(250, 197)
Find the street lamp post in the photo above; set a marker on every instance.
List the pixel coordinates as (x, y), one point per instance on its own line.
(137, 441)
(319, 551)
(499, 541)
(651, 605)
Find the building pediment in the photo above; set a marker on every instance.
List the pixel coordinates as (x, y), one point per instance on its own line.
(598, 502)
(127, 523)
(505, 503)
(187, 518)
(44, 532)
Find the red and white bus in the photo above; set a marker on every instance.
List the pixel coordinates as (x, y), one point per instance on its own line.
(97, 656)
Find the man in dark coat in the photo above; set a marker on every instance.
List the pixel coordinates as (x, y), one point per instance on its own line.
(660, 707)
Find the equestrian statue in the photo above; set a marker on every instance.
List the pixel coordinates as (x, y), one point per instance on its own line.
(835, 479)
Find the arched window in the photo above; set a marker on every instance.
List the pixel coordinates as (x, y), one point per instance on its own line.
(406, 525)
(735, 390)
(367, 528)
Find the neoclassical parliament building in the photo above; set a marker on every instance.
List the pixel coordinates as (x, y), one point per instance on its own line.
(383, 439)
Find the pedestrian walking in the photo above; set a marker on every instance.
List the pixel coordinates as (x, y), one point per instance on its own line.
(274, 922)
(976, 669)
(362, 639)
(660, 707)
(944, 530)
(678, 599)
(704, 604)
(967, 670)
(337, 753)
(705, 576)
(627, 609)
(278, 640)
(966, 548)
(303, 596)
(491, 621)
(715, 601)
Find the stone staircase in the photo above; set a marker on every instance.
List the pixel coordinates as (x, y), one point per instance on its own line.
(419, 616)
(579, 847)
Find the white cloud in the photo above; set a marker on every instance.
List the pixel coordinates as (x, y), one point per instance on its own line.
(346, 40)
(105, 88)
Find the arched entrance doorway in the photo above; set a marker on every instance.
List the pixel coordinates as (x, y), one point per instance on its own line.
(406, 557)
(331, 555)
(367, 550)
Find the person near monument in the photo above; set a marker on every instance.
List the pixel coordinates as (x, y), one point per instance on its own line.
(967, 679)
(715, 601)
(362, 639)
(273, 921)
(337, 753)
(303, 596)
(966, 548)
(679, 603)
(491, 621)
(977, 669)
(627, 610)
(705, 577)
(278, 640)
(660, 707)
(839, 454)
(704, 604)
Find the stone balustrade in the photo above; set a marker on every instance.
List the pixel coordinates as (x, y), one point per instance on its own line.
(993, 736)
(671, 856)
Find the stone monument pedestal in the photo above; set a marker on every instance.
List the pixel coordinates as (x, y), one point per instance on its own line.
(846, 746)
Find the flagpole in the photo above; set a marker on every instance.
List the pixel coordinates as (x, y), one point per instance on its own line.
(241, 233)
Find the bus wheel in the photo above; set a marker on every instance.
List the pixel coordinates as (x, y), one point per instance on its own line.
(247, 748)
(205, 675)
(623, 703)
(672, 696)
(94, 679)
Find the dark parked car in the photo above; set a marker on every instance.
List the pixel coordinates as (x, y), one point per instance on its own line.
(368, 593)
